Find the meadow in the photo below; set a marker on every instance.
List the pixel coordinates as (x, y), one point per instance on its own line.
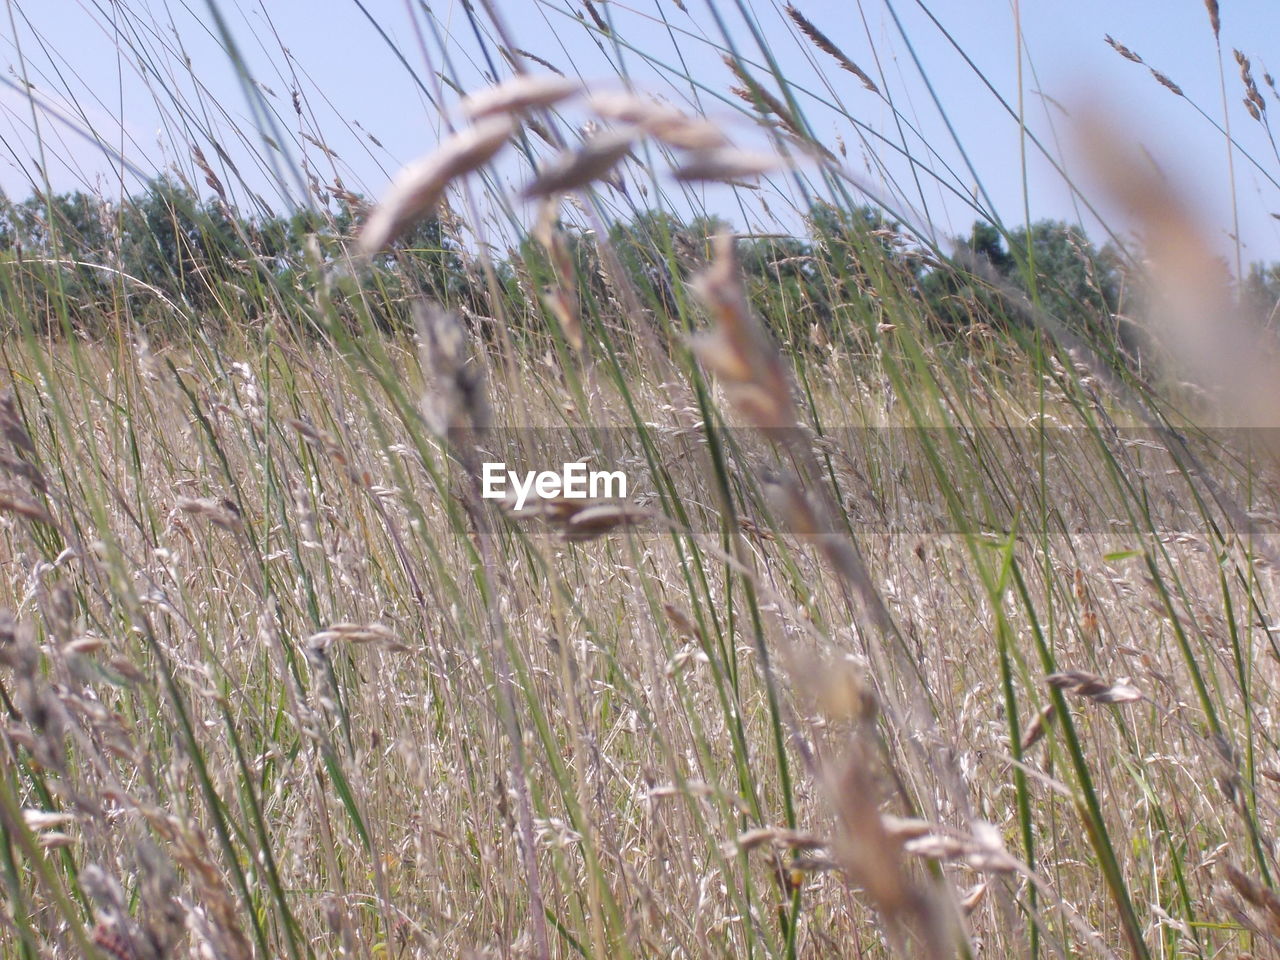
(937, 623)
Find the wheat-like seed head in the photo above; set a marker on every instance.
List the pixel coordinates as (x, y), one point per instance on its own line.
(417, 189)
(593, 161)
(518, 95)
(726, 164)
(1215, 18)
(823, 43)
(1121, 49)
(665, 123)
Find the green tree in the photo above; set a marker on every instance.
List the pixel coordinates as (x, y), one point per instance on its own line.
(1053, 263)
(176, 243)
(659, 251)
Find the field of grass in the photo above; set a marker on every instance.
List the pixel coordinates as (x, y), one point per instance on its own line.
(939, 621)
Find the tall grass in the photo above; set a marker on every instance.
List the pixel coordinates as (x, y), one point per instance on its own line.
(920, 638)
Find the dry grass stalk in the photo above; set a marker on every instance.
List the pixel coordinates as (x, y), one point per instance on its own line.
(839, 688)
(756, 382)
(12, 427)
(780, 837)
(25, 472)
(597, 520)
(562, 303)
(973, 897)
(1190, 294)
(738, 350)
(788, 500)
(351, 200)
(872, 857)
(117, 933)
(982, 849)
(357, 633)
(761, 99)
(823, 43)
(37, 820)
(417, 189)
(315, 142)
(211, 178)
(684, 626)
(519, 94)
(320, 439)
(905, 828)
(539, 129)
(24, 507)
(593, 161)
(221, 512)
(562, 298)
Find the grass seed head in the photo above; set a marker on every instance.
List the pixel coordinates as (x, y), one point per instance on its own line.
(1164, 81)
(758, 97)
(1093, 687)
(1190, 293)
(725, 164)
(593, 161)
(662, 122)
(823, 43)
(1039, 726)
(12, 427)
(1121, 49)
(533, 58)
(1215, 18)
(519, 94)
(417, 189)
(600, 519)
(738, 350)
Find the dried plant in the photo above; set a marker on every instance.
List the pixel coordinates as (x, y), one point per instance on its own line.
(519, 94)
(1090, 685)
(823, 43)
(938, 621)
(1215, 18)
(418, 188)
(575, 169)
(665, 123)
(726, 164)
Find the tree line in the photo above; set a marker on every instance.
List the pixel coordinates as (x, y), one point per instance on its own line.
(81, 261)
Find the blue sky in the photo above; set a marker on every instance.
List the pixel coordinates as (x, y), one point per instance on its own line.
(354, 88)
